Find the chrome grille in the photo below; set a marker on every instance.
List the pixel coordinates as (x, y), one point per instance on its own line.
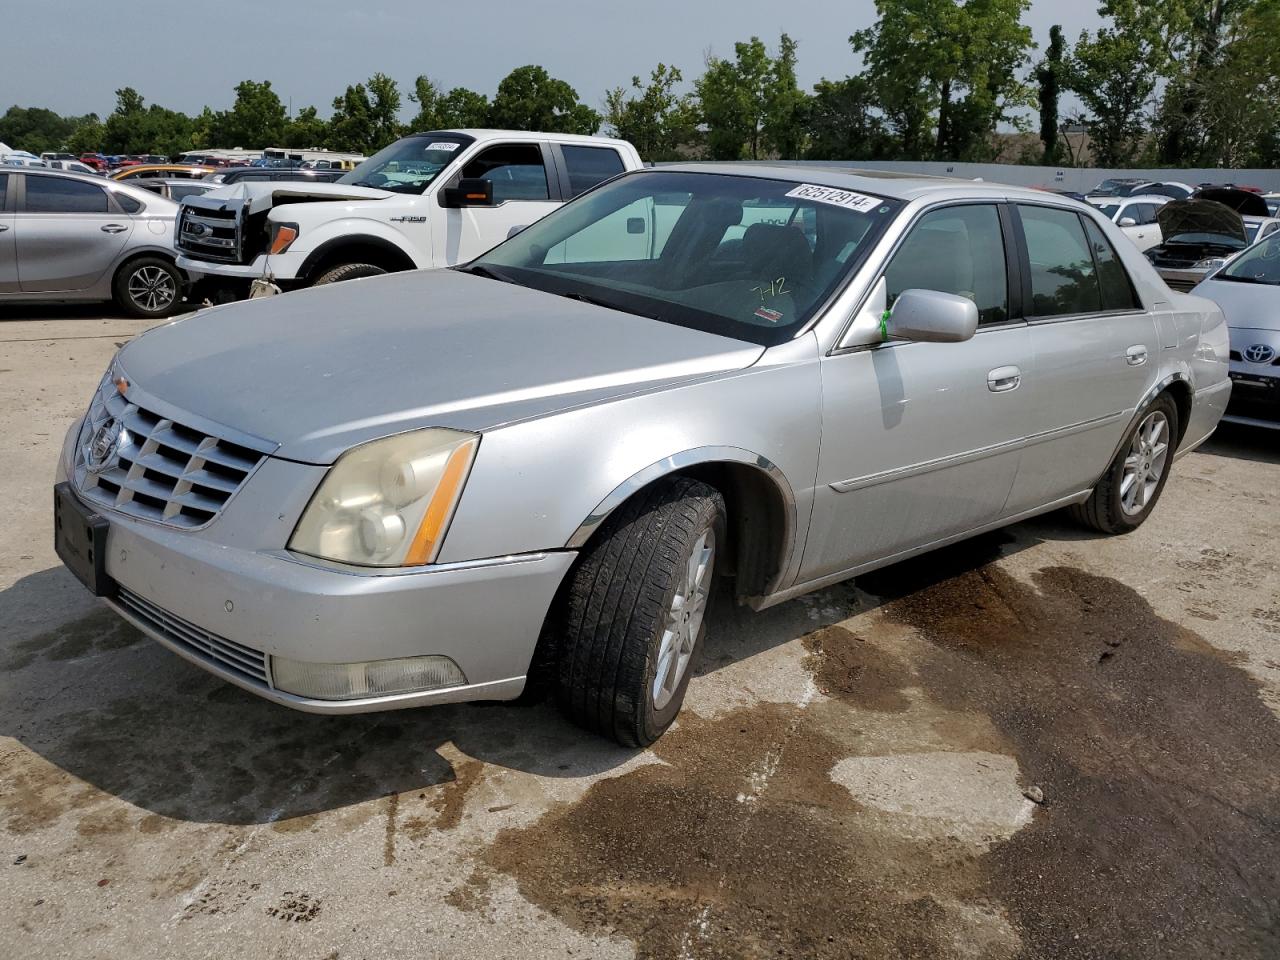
(209, 230)
(160, 470)
(218, 651)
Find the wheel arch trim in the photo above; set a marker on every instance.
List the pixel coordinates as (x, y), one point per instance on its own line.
(695, 457)
(335, 244)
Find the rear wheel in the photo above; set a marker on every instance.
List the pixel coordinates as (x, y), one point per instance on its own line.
(148, 287)
(348, 271)
(1128, 491)
(631, 621)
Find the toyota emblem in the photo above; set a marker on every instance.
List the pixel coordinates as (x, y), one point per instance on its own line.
(102, 446)
(1259, 353)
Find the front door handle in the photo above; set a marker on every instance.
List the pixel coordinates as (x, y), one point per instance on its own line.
(3, 227)
(1136, 355)
(1004, 379)
(113, 228)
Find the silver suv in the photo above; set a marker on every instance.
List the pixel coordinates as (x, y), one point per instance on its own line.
(428, 487)
(69, 236)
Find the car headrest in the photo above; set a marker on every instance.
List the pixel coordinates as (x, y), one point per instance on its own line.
(776, 250)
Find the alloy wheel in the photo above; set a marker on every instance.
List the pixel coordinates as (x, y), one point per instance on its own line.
(1145, 463)
(152, 289)
(684, 620)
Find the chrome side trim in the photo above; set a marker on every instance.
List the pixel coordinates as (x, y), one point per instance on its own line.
(351, 570)
(955, 460)
(799, 589)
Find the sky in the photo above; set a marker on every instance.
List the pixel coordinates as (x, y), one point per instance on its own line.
(71, 55)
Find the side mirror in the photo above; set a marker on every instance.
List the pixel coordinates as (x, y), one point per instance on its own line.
(516, 229)
(933, 317)
(1127, 222)
(470, 193)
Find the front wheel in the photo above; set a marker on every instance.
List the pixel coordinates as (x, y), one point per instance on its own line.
(1128, 491)
(630, 624)
(348, 271)
(149, 287)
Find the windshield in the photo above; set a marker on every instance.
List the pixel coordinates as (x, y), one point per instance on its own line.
(1259, 264)
(738, 256)
(408, 165)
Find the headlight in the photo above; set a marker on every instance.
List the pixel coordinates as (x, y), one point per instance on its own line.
(388, 503)
(1211, 263)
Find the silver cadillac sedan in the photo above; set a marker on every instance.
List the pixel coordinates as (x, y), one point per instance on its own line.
(443, 485)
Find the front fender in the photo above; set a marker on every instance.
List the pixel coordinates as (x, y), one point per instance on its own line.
(314, 241)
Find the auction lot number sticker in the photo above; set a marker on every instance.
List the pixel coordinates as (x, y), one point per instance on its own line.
(838, 198)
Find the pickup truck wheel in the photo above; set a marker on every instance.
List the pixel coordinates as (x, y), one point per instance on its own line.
(1128, 491)
(630, 625)
(348, 271)
(148, 287)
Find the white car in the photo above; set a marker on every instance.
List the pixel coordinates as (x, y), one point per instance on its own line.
(1136, 217)
(428, 200)
(71, 166)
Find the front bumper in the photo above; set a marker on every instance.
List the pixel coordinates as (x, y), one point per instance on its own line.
(282, 266)
(231, 610)
(1255, 399)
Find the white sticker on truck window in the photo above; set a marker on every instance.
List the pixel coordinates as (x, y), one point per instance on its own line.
(839, 198)
(443, 145)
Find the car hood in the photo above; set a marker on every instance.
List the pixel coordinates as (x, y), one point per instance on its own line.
(319, 370)
(1200, 216)
(260, 195)
(1248, 306)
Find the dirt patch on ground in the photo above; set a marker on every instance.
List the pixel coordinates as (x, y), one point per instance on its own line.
(1161, 831)
(1159, 834)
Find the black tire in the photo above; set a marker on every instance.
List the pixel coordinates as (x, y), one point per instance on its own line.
(611, 617)
(348, 271)
(148, 288)
(1105, 510)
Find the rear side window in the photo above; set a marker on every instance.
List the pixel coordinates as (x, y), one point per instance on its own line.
(589, 166)
(59, 195)
(128, 204)
(1063, 278)
(515, 169)
(956, 250)
(1117, 291)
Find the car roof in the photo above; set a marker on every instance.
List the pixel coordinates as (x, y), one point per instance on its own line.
(1144, 198)
(881, 183)
(488, 133)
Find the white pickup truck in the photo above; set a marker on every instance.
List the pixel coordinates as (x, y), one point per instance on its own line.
(428, 200)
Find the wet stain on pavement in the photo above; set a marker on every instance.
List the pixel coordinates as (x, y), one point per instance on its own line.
(1158, 835)
(97, 633)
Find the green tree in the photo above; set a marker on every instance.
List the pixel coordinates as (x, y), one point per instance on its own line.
(1240, 102)
(305, 129)
(134, 127)
(352, 125)
(256, 119)
(751, 104)
(437, 110)
(529, 98)
(844, 122)
(656, 119)
(1112, 73)
(1049, 74)
(384, 109)
(87, 135)
(35, 129)
(946, 73)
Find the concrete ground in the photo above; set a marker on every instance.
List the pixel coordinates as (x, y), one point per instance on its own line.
(850, 777)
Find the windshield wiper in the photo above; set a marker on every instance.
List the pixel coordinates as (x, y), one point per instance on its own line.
(479, 270)
(597, 302)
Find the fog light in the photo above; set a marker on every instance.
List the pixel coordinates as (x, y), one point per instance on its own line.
(374, 678)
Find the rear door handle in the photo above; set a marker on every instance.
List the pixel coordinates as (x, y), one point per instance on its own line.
(3, 227)
(1004, 379)
(1136, 355)
(113, 228)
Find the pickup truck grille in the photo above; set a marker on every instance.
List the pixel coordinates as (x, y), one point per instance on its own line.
(160, 470)
(211, 230)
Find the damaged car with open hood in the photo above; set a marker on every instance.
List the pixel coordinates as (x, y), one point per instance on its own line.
(536, 467)
(1202, 233)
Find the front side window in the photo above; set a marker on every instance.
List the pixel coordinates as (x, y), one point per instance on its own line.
(1063, 278)
(408, 165)
(590, 165)
(956, 250)
(515, 170)
(59, 195)
(1113, 279)
(744, 257)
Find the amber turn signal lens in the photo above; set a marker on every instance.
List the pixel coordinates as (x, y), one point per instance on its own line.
(427, 542)
(283, 238)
